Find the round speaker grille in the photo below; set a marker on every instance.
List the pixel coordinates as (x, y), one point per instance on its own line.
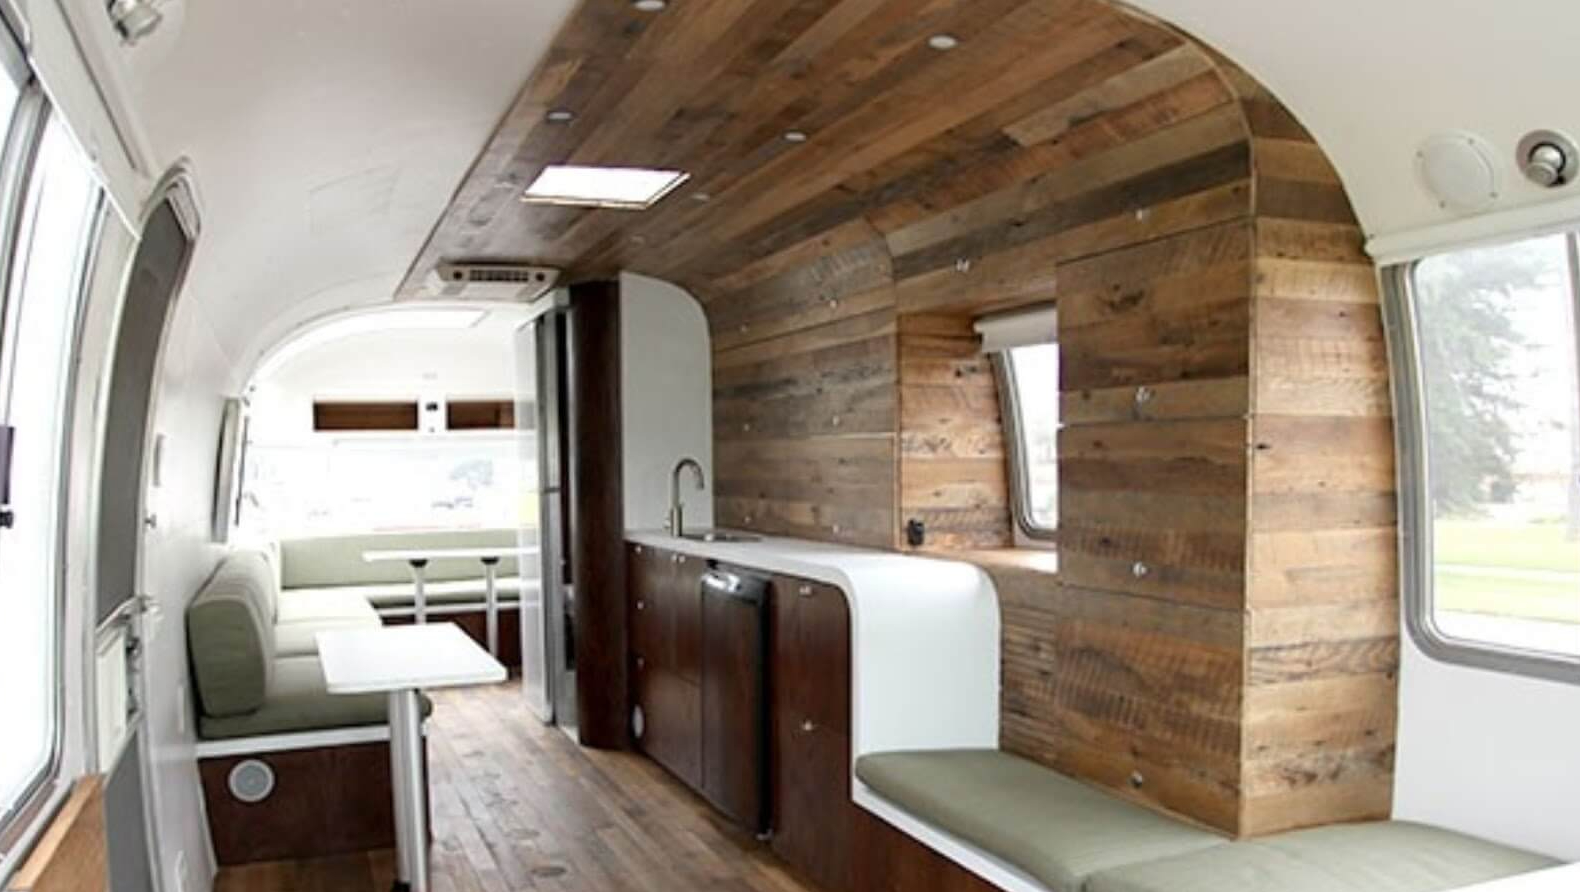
(251, 781)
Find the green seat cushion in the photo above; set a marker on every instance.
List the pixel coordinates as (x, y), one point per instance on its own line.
(327, 561)
(300, 639)
(399, 594)
(1058, 830)
(297, 701)
(230, 637)
(1385, 856)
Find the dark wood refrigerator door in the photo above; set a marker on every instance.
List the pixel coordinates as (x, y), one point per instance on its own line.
(734, 708)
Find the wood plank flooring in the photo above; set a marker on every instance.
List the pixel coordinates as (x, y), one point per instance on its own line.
(517, 806)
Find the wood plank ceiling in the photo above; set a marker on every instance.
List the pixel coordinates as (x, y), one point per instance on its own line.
(1220, 639)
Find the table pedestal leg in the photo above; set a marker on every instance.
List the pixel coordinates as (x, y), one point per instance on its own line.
(491, 602)
(410, 788)
(419, 583)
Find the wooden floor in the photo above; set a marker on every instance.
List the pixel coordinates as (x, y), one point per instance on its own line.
(517, 807)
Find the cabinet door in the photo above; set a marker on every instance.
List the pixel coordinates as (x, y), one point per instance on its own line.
(810, 765)
(671, 722)
(648, 572)
(683, 607)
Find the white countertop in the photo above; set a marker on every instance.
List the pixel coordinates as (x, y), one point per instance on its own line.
(394, 658)
(924, 637)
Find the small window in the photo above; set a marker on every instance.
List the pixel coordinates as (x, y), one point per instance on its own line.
(1490, 435)
(1031, 382)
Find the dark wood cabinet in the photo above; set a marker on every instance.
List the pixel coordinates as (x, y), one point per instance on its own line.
(812, 818)
(810, 764)
(666, 658)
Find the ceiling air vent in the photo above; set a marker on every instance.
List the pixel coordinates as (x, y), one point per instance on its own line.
(493, 281)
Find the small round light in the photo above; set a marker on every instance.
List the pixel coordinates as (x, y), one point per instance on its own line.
(649, 5)
(795, 136)
(560, 116)
(943, 41)
(702, 196)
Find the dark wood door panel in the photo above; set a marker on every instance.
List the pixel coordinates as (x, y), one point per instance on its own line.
(813, 812)
(894, 862)
(811, 651)
(684, 605)
(671, 723)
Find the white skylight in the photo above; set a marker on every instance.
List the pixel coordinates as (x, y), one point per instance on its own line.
(622, 188)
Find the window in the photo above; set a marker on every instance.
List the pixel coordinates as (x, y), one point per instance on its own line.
(1490, 435)
(333, 484)
(58, 216)
(1031, 378)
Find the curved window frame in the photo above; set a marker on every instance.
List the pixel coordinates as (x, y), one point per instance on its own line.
(1015, 448)
(1416, 545)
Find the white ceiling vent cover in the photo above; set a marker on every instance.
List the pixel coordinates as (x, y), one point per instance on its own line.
(512, 282)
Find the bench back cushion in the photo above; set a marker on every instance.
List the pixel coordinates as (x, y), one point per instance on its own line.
(326, 561)
(230, 635)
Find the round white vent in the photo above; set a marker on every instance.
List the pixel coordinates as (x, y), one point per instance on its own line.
(1458, 169)
(251, 781)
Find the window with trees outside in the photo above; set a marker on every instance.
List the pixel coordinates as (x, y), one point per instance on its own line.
(1031, 376)
(1495, 446)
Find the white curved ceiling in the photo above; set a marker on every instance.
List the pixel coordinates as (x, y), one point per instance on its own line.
(326, 138)
(328, 135)
(1372, 80)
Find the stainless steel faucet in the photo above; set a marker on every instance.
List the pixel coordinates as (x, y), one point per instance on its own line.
(677, 511)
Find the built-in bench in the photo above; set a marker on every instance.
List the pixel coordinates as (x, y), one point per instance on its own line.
(1066, 836)
(264, 711)
(333, 568)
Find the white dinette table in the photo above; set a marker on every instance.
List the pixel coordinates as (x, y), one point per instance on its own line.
(417, 559)
(400, 661)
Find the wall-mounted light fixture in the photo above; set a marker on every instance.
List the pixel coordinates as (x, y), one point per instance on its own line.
(135, 19)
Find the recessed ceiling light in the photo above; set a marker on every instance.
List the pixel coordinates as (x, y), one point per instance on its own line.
(649, 5)
(702, 196)
(560, 116)
(620, 188)
(795, 136)
(943, 41)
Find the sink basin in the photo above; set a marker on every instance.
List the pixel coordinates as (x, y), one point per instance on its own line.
(721, 536)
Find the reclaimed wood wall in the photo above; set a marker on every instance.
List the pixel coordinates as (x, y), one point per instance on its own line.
(1218, 638)
(1322, 636)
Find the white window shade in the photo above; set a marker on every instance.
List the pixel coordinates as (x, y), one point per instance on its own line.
(1023, 328)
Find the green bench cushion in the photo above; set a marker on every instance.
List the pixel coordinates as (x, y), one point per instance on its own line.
(327, 561)
(230, 635)
(393, 595)
(1056, 829)
(298, 700)
(1387, 856)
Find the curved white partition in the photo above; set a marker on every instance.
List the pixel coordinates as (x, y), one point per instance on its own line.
(924, 637)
